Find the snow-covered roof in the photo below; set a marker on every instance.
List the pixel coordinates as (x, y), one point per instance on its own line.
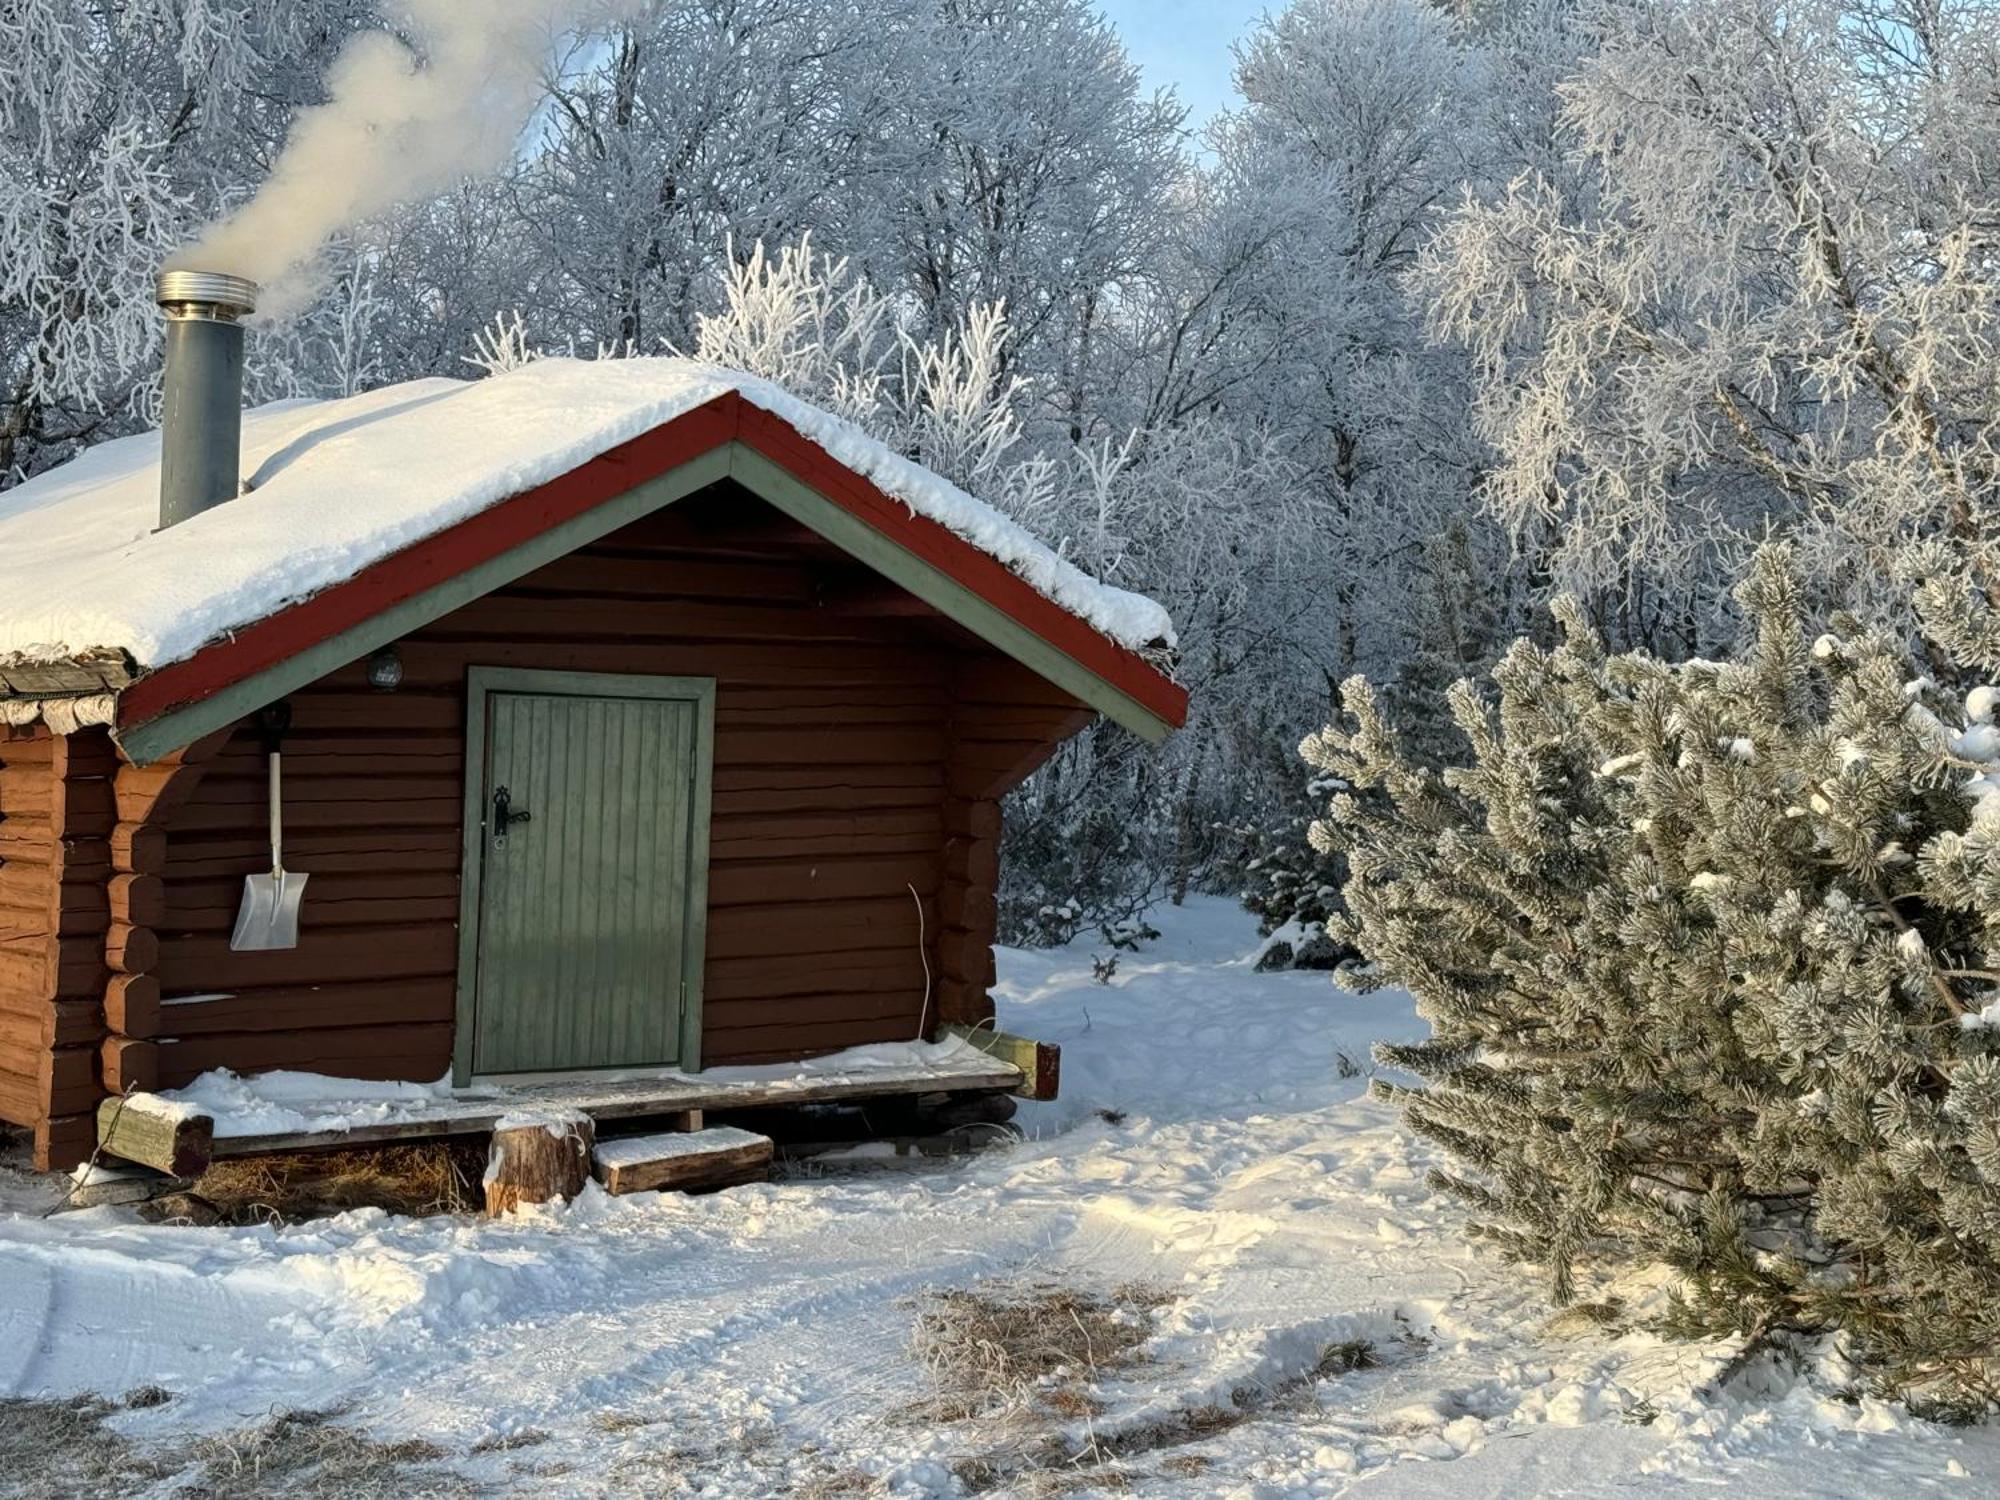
(338, 485)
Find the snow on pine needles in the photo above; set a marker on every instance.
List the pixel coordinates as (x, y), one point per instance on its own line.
(1214, 1269)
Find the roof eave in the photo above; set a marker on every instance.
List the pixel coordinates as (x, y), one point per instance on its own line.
(228, 679)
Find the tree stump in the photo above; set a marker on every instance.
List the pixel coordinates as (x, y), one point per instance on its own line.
(537, 1158)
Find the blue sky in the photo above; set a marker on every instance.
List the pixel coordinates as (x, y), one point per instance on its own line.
(1185, 44)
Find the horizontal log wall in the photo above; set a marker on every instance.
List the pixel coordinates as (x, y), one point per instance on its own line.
(850, 767)
(27, 887)
(57, 813)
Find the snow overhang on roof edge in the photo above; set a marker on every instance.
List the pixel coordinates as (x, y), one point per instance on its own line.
(62, 715)
(1125, 648)
(336, 485)
(65, 693)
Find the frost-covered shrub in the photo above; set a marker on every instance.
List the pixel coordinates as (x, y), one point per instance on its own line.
(1712, 956)
(1287, 880)
(1070, 865)
(1293, 887)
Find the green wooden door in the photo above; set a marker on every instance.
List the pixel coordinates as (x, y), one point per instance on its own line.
(589, 898)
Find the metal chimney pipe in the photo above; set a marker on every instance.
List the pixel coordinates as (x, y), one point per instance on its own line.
(201, 423)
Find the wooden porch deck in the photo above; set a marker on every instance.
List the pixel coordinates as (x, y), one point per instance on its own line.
(171, 1136)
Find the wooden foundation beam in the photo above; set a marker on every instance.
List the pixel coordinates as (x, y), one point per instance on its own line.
(1040, 1062)
(156, 1133)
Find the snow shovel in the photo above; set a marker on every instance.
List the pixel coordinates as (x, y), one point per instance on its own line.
(269, 916)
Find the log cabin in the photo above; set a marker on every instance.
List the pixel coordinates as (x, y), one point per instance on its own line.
(636, 715)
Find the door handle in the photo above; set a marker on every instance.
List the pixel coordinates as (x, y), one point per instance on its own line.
(505, 816)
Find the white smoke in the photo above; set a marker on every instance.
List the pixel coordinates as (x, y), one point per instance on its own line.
(398, 125)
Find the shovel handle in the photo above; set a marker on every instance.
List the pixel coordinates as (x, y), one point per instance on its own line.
(277, 815)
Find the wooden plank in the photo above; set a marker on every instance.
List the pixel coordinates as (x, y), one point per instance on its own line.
(156, 1133)
(324, 852)
(969, 907)
(21, 1046)
(508, 616)
(202, 963)
(681, 1161)
(831, 745)
(761, 882)
(776, 1044)
(306, 815)
(224, 788)
(808, 777)
(73, 1023)
(306, 1008)
(25, 882)
(867, 837)
(477, 1111)
(51, 965)
(219, 914)
(24, 968)
(773, 976)
(342, 1052)
(1039, 1063)
(967, 817)
(814, 1021)
(693, 573)
(851, 666)
(974, 861)
(783, 802)
(816, 927)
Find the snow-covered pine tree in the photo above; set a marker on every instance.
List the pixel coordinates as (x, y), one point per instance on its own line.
(1712, 955)
(1293, 888)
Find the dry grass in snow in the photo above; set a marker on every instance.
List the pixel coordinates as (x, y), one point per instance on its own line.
(434, 1178)
(1004, 1350)
(56, 1450)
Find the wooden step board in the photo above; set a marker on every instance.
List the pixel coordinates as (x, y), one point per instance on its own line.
(721, 1156)
(173, 1137)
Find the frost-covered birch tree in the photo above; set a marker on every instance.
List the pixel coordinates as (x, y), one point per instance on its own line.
(122, 126)
(1773, 306)
(693, 124)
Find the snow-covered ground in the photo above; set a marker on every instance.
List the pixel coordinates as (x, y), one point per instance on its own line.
(757, 1342)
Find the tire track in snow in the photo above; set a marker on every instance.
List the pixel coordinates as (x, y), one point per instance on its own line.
(27, 1314)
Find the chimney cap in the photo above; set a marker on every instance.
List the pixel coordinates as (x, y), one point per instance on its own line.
(233, 295)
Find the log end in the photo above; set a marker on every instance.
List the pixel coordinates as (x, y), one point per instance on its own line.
(538, 1157)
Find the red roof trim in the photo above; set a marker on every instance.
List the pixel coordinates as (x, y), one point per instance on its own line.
(500, 528)
(983, 574)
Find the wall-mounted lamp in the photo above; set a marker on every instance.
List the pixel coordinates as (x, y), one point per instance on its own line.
(385, 670)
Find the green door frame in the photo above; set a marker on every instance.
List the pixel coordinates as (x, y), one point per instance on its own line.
(481, 683)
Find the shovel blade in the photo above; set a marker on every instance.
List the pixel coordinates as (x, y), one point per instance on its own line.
(269, 916)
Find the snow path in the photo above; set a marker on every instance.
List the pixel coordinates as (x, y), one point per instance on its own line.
(755, 1342)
